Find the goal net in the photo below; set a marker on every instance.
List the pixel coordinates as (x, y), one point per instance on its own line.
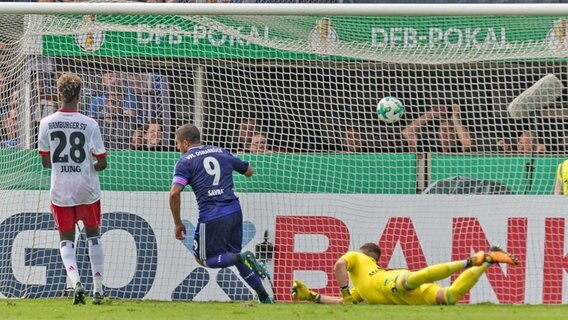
(296, 95)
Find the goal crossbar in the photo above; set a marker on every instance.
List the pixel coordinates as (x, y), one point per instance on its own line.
(287, 9)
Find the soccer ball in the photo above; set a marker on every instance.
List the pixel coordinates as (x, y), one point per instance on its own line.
(390, 109)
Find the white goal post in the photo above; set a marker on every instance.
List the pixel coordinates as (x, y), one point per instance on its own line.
(293, 89)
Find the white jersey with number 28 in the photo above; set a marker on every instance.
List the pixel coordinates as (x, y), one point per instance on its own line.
(71, 140)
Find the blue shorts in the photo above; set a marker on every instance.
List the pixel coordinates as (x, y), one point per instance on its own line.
(224, 234)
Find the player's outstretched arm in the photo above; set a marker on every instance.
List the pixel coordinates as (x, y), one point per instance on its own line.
(300, 291)
(330, 300)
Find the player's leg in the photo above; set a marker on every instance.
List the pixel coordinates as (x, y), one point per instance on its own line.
(218, 244)
(249, 259)
(250, 275)
(91, 217)
(254, 281)
(225, 252)
(463, 283)
(413, 280)
(215, 241)
(65, 221)
(470, 277)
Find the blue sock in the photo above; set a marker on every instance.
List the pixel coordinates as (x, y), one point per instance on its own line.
(252, 280)
(223, 260)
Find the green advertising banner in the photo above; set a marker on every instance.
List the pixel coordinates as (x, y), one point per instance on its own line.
(302, 37)
(274, 173)
(373, 173)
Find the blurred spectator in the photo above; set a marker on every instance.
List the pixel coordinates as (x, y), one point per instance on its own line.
(526, 143)
(561, 180)
(152, 138)
(4, 94)
(116, 125)
(113, 88)
(258, 144)
(45, 106)
(15, 99)
(43, 96)
(145, 96)
(137, 140)
(10, 126)
(351, 140)
(450, 136)
(247, 128)
(9, 137)
(45, 88)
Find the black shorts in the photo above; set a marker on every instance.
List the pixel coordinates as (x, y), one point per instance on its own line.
(218, 236)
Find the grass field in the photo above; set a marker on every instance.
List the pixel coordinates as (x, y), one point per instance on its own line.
(127, 309)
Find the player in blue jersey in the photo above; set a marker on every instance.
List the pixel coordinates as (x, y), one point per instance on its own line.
(208, 170)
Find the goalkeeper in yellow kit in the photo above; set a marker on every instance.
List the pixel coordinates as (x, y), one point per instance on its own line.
(561, 181)
(374, 285)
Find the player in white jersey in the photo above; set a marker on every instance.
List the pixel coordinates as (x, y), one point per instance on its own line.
(67, 142)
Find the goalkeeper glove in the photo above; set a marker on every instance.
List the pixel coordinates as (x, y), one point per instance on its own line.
(346, 295)
(300, 291)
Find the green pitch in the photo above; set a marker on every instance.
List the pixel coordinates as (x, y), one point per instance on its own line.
(155, 310)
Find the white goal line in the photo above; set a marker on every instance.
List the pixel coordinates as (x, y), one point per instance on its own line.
(316, 9)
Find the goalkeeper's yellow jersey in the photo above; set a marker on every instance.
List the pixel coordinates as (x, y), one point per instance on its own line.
(562, 175)
(375, 285)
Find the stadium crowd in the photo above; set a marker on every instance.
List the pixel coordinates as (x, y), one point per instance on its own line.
(137, 111)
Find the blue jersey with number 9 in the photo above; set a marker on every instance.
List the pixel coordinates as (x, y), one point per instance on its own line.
(208, 170)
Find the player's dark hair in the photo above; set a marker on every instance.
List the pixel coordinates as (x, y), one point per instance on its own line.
(190, 133)
(69, 86)
(372, 248)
